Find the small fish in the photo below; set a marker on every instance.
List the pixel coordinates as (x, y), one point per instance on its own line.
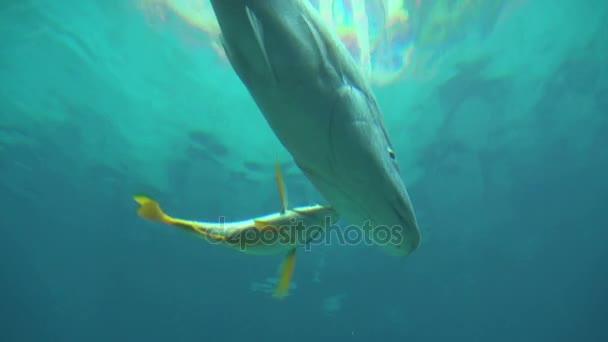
(271, 234)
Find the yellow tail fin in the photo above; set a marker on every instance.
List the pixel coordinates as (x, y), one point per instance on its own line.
(286, 274)
(150, 209)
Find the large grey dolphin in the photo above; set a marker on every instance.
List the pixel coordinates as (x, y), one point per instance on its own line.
(322, 109)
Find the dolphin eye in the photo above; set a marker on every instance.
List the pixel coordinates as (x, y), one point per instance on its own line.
(391, 153)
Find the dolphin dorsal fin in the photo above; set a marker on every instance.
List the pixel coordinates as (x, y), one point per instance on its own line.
(281, 187)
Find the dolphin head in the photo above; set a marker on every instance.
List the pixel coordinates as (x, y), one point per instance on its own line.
(391, 209)
(361, 176)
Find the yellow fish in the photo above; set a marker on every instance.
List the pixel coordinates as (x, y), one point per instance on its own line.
(271, 234)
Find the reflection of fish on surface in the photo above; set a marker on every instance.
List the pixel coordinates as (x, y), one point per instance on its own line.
(266, 235)
(322, 109)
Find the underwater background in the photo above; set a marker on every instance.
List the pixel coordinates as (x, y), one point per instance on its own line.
(498, 111)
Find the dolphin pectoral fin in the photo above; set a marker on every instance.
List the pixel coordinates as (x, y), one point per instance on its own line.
(321, 50)
(258, 32)
(151, 210)
(285, 275)
(281, 187)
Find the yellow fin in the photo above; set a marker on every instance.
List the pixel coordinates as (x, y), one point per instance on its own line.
(150, 209)
(285, 276)
(263, 225)
(281, 187)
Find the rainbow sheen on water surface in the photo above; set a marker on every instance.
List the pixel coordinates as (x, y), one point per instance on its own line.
(387, 38)
(374, 31)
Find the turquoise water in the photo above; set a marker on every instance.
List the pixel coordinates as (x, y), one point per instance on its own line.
(500, 121)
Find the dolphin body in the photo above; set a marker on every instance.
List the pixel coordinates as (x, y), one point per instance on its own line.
(322, 109)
